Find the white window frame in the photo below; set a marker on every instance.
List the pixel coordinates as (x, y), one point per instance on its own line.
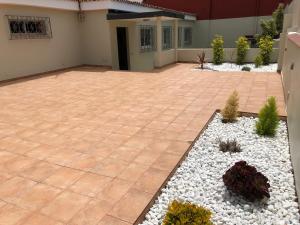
(183, 39)
(188, 38)
(167, 37)
(147, 38)
(29, 27)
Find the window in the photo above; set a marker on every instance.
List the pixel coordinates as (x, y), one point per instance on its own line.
(184, 37)
(28, 27)
(187, 36)
(147, 36)
(167, 38)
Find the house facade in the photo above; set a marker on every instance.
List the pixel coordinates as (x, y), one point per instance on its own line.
(41, 36)
(289, 64)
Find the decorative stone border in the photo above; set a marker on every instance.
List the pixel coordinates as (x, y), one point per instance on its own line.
(142, 216)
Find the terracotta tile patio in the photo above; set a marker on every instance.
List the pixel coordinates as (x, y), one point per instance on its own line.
(91, 146)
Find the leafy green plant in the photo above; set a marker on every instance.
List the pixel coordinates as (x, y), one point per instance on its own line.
(229, 146)
(246, 68)
(265, 49)
(258, 61)
(268, 119)
(218, 50)
(278, 16)
(230, 111)
(185, 213)
(242, 46)
(244, 180)
(268, 28)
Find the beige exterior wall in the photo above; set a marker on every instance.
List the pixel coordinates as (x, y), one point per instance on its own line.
(290, 65)
(191, 55)
(95, 39)
(168, 57)
(291, 81)
(142, 61)
(19, 58)
(230, 29)
(138, 61)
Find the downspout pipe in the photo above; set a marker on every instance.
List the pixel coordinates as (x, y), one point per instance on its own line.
(79, 5)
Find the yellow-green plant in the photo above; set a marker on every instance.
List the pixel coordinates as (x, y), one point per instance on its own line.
(278, 16)
(185, 213)
(268, 28)
(265, 49)
(218, 50)
(242, 47)
(258, 61)
(268, 119)
(230, 111)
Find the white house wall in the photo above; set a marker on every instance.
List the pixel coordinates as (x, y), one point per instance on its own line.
(23, 57)
(95, 39)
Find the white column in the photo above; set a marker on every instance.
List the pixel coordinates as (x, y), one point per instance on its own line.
(176, 39)
(158, 41)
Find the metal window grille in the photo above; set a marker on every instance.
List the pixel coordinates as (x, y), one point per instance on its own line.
(147, 38)
(167, 42)
(29, 27)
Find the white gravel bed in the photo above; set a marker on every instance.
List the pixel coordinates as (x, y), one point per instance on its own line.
(199, 179)
(232, 67)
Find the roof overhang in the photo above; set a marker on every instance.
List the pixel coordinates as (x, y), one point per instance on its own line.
(128, 16)
(134, 9)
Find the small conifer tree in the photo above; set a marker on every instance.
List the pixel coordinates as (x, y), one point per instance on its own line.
(278, 16)
(268, 119)
(242, 46)
(218, 50)
(230, 112)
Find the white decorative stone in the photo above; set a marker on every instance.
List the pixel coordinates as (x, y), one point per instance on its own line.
(199, 179)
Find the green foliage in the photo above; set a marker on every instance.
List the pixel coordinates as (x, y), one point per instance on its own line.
(230, 112)
(258, 61)
(266, 47)
(246, 68)
(278, 16)
(268, 119)
(180, 213)
(268, 28)
(242, 46)
(218, 50)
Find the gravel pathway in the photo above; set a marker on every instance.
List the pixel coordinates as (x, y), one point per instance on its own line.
(199, 179)
(232, 67)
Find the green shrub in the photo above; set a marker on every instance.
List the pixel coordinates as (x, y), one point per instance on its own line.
(266, 47)
(218, 50)
(246, 68)
(180, 213)
(268, 28)
(268, 119)
(230, 111)
(278, 16)
(242, 46)
(258, 61)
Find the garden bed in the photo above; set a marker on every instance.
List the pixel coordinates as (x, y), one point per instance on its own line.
(232, 67)
(199, 178)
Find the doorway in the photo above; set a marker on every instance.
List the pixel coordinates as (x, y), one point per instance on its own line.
(122, 48)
